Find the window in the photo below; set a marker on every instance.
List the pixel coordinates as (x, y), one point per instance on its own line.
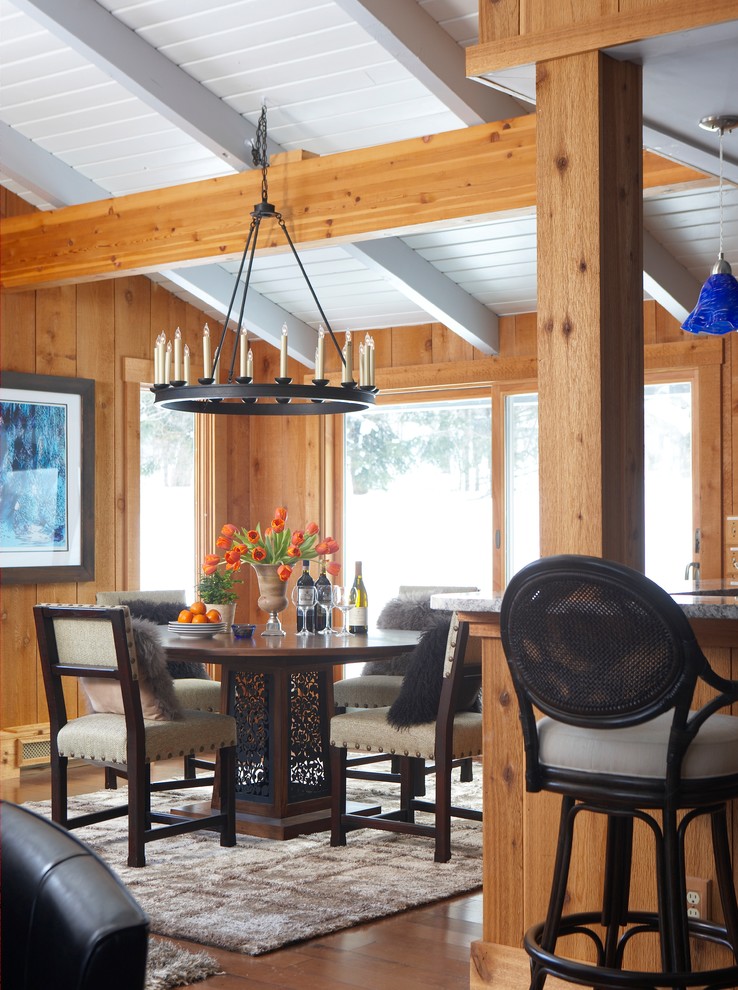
(418, 496)
(167, 558)
(668, 480)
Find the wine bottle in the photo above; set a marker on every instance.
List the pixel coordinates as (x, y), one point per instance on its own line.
(323, 592)
(359, 615)
(305, 581)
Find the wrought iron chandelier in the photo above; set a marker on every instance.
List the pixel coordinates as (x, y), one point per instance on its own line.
(239, 394)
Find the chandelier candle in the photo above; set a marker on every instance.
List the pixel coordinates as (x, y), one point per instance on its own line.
(283, 354)
(206, 352)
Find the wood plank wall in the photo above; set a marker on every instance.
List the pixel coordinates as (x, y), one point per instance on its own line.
(90, 330)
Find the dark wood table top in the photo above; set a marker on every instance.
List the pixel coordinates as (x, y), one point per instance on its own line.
(291, 650)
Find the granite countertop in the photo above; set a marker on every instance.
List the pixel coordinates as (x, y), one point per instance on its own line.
(698, 601)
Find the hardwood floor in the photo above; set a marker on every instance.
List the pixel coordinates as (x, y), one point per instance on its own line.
(423, 949)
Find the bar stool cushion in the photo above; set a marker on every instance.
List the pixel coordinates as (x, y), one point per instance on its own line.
(640, 751)
(103, 737)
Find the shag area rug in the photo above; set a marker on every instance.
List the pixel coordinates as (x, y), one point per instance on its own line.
(168, 966)
(266, 893)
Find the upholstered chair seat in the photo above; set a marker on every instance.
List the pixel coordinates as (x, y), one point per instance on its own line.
(369, 732)
(375, 691)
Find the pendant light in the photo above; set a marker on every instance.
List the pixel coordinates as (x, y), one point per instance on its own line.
(716, 311)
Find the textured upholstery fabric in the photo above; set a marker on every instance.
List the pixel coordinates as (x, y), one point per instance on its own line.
(196, 693)
(67, 921)
(103, 737)
(640, 751)
(122, 597)
(377, 691)
(369, 731)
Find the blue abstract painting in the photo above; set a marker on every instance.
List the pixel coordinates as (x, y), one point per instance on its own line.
(34, 476)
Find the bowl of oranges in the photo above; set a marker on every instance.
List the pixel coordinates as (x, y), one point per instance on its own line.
(198, 621)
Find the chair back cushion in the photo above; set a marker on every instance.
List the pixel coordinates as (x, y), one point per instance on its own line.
(159, 699)
(153, 597)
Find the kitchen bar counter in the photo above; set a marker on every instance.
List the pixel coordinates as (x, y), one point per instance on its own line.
(520, 828)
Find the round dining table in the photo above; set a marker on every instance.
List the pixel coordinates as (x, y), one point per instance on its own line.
(280, 691)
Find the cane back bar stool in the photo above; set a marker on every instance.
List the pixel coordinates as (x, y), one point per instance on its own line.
(83, 641)
(612, 662)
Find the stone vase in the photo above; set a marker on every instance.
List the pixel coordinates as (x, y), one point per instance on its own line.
(227, 613)
(272, 597)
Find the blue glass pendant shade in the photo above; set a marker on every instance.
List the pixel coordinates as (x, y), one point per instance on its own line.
(716, 311)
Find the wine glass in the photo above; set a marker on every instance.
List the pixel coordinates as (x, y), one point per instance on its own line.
(324, 601)
(342, 601)
(303, 598)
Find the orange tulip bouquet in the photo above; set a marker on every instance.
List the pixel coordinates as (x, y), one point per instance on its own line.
(278, 544)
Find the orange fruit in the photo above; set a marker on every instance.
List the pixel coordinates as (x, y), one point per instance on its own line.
(200, 618)
(184, 616)
(214, 615)
(198, 608)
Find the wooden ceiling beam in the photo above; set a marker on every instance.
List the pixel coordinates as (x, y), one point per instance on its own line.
(469, 174)
(510, 48)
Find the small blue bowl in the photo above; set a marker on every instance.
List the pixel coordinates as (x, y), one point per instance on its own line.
(241, 631)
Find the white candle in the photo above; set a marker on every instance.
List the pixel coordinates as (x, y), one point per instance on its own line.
(161, 343)
(370, 373)
(242, 348)
(348, 355)
(167, 362)
(186, 363)
(250, 364)
(157, 372)
(283, 353)
(206, 352)
(320, 355)
(362, 366)
(178, 355)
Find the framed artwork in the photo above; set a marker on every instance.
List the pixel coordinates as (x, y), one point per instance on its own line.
(47, 478)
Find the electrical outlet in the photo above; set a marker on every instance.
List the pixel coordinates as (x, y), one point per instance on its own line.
(698, 898)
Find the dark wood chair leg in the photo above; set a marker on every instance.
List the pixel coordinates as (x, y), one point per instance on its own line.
(111, 779)
(138, 803)
(618, 857)
(190, 770)
(59, 811)
(466, 774)
(228, 795)
(338, 798)
(443, 811)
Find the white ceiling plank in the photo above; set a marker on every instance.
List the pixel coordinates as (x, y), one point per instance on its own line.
(441, 298)
(214, 285)
(93, 32)
(429, 53)
(47, 176)
(666, 280)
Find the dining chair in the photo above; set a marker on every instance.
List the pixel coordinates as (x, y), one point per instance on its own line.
(199, 693)
(88, 641)
(380, 683)
(452, 736)
(613, 664)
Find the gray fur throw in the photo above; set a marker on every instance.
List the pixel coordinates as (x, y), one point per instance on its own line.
(404, 613)
(420, 693)
(161, 613)
(153, 667)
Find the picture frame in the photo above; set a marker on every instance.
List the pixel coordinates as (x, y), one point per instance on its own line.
(47, 478)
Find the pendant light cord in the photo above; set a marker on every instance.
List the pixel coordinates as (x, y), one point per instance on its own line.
(720, 194)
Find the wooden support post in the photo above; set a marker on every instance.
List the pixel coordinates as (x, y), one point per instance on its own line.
(590, 322)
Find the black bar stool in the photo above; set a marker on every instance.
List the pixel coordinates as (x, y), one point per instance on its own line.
(612, 662)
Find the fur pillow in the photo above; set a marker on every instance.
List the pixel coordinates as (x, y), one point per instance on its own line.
(403, 613)
(161, 613)
(158, 699)
(420, 693)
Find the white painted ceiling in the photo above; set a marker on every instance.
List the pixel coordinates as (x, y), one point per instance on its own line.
(101, 98)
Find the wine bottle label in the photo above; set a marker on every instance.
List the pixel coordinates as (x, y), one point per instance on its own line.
(305, 596)
(358, 616)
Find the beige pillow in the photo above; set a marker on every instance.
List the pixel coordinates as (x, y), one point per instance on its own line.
(104, 695)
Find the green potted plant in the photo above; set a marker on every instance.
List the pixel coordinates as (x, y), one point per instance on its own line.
(216, 590)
